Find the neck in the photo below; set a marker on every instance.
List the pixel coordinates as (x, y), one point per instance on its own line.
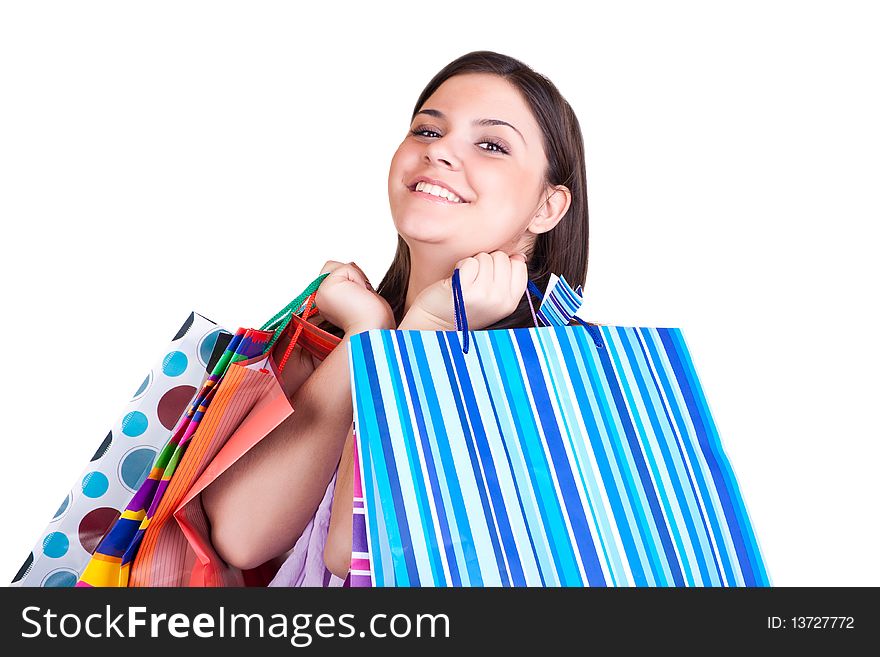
(425, 270)
(428, 264)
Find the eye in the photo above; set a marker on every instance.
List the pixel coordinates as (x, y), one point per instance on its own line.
(501, 148)
(418, 132)
(494, 146)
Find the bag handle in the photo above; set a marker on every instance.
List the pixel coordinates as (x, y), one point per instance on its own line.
(281, 320)
(458, 311)
(308, 312)
(282, 317)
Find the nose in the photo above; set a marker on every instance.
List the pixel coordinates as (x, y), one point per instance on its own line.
(440, 151)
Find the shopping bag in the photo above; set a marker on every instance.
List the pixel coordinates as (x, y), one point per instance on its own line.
(559, 455)
(237, 382)
(360, 572)
(199, 558)
(124, 456)
(110, 563)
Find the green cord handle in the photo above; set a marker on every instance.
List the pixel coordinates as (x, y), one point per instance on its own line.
(282, 318)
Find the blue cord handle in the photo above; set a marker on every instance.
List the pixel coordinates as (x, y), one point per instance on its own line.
(534, 290)
(458, 309)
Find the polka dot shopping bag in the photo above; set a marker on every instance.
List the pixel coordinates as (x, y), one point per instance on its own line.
(146, 546)
(124, 456)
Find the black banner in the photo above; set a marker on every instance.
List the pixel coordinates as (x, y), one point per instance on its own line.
(398, 621)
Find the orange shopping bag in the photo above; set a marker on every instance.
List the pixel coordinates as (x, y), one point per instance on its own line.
(247, 406)
(208, 568)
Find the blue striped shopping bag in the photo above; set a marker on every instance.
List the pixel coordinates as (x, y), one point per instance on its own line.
(560, 455)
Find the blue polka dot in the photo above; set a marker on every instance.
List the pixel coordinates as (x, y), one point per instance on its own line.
(207, 346)
(55, 545)
(62, 508)
(60, 578)
(94, 484)
(175, 363)
(144, 385)
(134, 424)
(135, 467)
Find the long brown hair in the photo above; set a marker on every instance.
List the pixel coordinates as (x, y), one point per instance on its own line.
(562, 250)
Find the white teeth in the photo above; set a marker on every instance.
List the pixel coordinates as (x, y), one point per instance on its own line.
(436, 190)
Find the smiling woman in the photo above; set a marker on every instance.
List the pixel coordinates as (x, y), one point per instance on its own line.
(489, 179)
(501, 138)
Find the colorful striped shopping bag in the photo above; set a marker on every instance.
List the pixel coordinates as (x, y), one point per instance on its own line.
(558, 455)
(235, 385)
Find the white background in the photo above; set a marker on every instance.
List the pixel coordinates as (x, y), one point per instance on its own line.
(174, 156)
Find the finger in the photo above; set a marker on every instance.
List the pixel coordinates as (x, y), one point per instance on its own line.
(366, 279)
(460, 263)
(487, 266)
(350, 273)
(330, 266)
(501, 266)
(468, 268)
(519, 277)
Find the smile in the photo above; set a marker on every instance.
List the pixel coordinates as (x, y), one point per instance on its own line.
(437, 194)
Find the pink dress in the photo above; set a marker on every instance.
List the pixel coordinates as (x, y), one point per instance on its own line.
(305, 565)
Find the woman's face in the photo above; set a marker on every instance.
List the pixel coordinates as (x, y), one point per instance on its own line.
(497, 171)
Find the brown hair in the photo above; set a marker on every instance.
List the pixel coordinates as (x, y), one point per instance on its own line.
(562, 250)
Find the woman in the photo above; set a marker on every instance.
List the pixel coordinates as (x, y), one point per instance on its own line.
(489, 179)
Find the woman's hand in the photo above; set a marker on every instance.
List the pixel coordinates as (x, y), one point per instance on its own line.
(346, 299)
(491, 286)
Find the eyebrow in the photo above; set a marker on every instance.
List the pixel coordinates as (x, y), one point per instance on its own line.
(438, 114)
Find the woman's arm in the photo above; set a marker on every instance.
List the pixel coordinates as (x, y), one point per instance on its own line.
(337, 550)
(259, 507)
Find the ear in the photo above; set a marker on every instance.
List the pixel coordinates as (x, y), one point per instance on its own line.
(556, 201)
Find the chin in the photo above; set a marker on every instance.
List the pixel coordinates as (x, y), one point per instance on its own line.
(423, 227)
